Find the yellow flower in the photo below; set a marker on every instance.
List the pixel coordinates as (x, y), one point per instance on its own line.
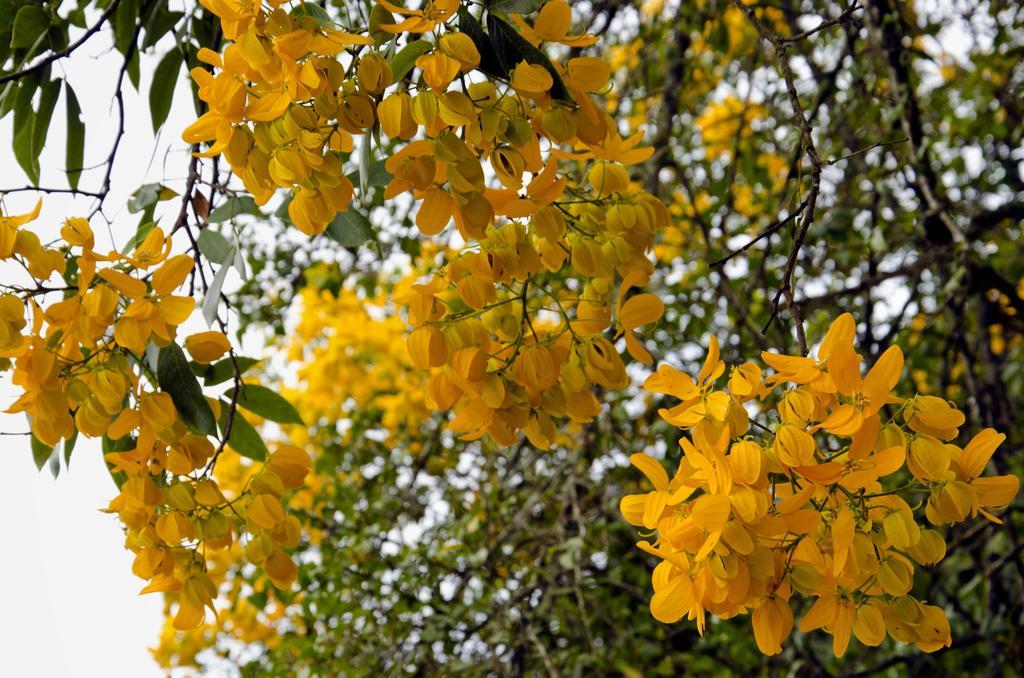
(206, 347)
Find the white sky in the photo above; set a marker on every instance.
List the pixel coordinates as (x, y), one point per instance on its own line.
(70, 605)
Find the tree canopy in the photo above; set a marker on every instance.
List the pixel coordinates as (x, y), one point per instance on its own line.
(622, 337)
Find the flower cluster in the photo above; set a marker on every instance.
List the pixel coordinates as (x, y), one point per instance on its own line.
(812, 506)
(103, 362)
(524, 162)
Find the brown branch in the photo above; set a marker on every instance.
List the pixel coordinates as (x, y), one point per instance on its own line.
(762, 235)
(866, 284)
(807, 139)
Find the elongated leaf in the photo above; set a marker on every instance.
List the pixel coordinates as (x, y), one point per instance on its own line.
(243, 439)
(134, 69)
(377, 176)
(177, 380)
(214, 246)
(29, 23)
(41, 452)
(22, 146)
(41, 121)
(513, 6)
(69, 447)
(223, 369)
(159, 24)
(315, 12)
(211, 302)
(407, 56)
(512, 48)
(268, 404)
(74, 155)
(161, 91)
(489, 62)
(350, 228)
(124, 24)
(232, 208)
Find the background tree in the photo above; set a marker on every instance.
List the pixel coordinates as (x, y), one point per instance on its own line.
(816, 158)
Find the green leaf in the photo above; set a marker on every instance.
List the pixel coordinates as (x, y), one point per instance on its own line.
(489, 62)
(268, 404)
(378, 16)
(719, 38)
(161, 91)
(22, 146)
(513, 6)
(223, 369)
(244, 439)
(159, 24)
(29, 23)
(177, 380)
(407, 56)
(376, 176)
(313, 11)
(214, 246)
(134, 69)
(350, 228)
(125, 18)
(41, 452)
(74, 156)
(233, 207)
(143, 197)
(512, 48)
(41, 121)
(69, 446)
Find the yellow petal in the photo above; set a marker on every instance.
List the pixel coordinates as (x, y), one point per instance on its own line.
(172, 274)
(640, 310)
(531, 78)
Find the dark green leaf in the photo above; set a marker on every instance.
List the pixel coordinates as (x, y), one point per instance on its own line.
(214, 246)
(378, 16)
(233, 207)
(377, 175)
(74, 156)
(69, 446)
(125, 19)
(41, 452)
(161, 91)
(268, 404)
(313, 11)
(222, 370)
(29, 23)
(177, 380)
(22, 146)
(406, 57)
(134, 69)
(489, 62)
(513, 48)
(350, 228)
(514, 6)
(41, 121)
(159, 24)
(719, 38)
(244, 439)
